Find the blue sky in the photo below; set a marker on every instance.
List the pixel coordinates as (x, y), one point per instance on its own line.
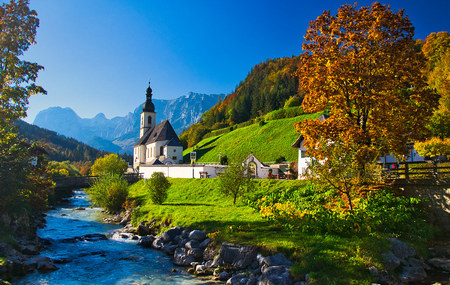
(99, 54)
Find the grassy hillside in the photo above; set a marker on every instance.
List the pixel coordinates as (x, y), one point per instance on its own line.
(199, 204)
(267, 142)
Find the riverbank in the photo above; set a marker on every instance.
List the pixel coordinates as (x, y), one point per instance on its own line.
(83, 251)
(325, 258)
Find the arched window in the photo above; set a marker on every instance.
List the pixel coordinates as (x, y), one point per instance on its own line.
(149, 120)
(161, 150)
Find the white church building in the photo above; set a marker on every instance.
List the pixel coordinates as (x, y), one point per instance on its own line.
(157, 144)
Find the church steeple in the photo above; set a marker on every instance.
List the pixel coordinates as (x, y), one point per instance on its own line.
(148, 106)
(148, 115)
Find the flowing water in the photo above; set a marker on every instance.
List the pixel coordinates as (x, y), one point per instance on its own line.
(111, 261)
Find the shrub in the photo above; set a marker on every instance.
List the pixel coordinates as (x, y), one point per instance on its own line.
(158, 186)
(110, 191)
(280, 159)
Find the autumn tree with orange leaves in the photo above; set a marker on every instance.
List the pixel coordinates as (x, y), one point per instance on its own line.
(361, 66)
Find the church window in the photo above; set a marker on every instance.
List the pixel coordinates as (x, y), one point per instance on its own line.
(174, 150)
(161, 150)
(150, 120)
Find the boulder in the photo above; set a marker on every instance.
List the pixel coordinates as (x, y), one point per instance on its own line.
(401, 249)
(275, 260)
(276, 275)
(45, 264)
(223, 276)
(93, 237)
(192, 244)
(413, 274)
(236, 279)
(181, 257)
(440, 263)
(197, 235)
(391, 261)
(183, 242)
(171, 234)
(196, 253)
(185, 233)
(169, 249)
(146, 241)
(236, 255)
(158, 242)
(143, 230)
(205, 243)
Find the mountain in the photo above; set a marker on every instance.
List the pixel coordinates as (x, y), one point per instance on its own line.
(59, 148)
(119, 134)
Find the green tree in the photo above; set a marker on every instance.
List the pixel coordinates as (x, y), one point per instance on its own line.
(235, 181)
(109, 164)
(157, 186)
(18, 178)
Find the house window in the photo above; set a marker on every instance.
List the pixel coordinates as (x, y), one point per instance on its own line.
(174, 150)
(161, 150)
(304, 154)
(174, 157)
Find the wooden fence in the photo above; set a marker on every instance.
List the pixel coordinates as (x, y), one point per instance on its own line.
(415, 170)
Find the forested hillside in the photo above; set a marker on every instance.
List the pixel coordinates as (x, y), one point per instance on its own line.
(59, 147)
(266, 88)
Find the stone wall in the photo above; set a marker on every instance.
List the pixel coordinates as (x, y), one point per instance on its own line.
(437, 192)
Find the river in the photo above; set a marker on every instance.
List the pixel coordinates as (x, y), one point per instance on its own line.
(111, 261)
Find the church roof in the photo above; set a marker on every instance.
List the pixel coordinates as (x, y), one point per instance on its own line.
(161, 132)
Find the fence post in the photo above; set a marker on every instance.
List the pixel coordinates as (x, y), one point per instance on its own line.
(434, 169)
(406, 171)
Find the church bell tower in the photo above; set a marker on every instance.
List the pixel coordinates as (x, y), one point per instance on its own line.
(148, 115)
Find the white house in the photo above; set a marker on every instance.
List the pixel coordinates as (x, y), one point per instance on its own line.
(304, 160)
(157, 144)
(258, 169)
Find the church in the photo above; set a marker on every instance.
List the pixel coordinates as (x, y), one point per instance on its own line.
(157, 144)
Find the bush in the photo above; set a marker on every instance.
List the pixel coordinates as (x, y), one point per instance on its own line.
(110, 191)
(158, 186)
(308, 210)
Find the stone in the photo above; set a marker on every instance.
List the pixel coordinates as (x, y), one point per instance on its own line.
(181, 258)
(80, 209)
(236, 279)
(278, 275)
(143, 230)
(391, 261)
(183, 242)
(200, 268)
(252, 280)
(94, 237)
(440, 263)
(146, 241)
(171, 234)
(401, 249)
(45, 265)
(275, 260)
(196, 253)
(158, 243)
(413, 274)
(236, 255)
(185, 233)
(29, 249)
(223, 276)
(192, 244)
(169, 249)
(205, 243)
(414, 262)
(197, 235)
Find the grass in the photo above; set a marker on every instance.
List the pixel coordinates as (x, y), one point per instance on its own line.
(267, 142)
(199, 204)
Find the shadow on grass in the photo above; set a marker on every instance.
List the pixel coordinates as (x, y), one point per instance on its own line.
(187, 204)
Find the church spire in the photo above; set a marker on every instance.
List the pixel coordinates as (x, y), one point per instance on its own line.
(148, 106)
